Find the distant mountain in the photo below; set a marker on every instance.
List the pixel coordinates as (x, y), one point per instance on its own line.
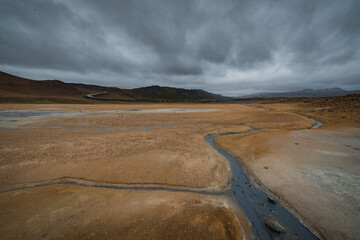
(152, 93)
(326, 92)
(170, 93)
(18, 89)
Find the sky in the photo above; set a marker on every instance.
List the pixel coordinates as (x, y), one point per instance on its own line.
(227, 47)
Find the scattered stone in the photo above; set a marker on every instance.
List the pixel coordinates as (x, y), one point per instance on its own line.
(275, 226)
(271, 200)
(261, 204)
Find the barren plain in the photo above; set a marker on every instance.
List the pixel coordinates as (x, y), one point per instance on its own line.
(144, 171)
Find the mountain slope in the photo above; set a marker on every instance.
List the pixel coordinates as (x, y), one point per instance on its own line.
(177, 94)
(152, 93)
(18, 89)
(326, 92)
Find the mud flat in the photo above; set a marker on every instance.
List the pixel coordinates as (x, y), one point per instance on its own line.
(113, 145)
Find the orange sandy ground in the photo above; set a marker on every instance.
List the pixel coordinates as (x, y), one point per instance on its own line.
(172, 156)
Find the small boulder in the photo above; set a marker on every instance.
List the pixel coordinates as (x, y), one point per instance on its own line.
(271, 200)
(275, 226)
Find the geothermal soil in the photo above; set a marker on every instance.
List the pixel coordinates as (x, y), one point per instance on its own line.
(315, 172)
(166, 180)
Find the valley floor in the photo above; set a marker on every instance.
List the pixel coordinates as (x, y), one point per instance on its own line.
(163, 181)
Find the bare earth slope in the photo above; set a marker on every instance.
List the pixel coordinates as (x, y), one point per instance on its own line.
(13, 88)
(17, 89)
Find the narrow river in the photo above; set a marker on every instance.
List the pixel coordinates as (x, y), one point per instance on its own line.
(254, 203)
(262, 210)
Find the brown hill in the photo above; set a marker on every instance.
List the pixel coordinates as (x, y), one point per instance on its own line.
(112, 93)
(18, 89)
(175, 94)
(151, 93)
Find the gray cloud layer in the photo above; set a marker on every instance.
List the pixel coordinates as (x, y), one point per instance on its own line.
(228, 47)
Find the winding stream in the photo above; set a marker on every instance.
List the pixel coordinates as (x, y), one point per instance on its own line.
(254, 203)
(261, 209)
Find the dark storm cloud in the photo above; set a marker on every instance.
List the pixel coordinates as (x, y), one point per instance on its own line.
(230, 47)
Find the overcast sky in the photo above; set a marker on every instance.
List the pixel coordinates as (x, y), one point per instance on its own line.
(228, 47)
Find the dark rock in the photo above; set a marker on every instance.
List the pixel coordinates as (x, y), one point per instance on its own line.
(275, 226)
(271, 200)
